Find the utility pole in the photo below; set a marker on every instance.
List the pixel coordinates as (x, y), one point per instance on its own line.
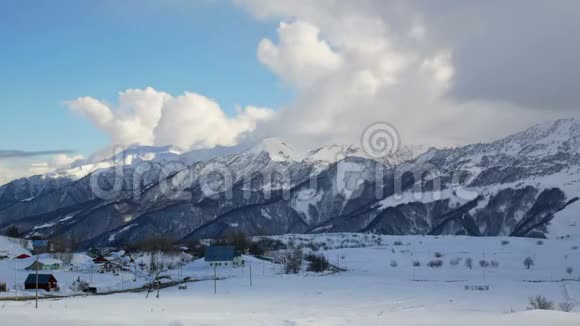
(15, 268)
(250, 263)
(36, 280)
(158, 287)
(15, 278)
(484, 278)
(214, 279)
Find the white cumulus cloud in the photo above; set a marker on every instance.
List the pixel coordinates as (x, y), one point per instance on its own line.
(150, 117)
(354, 63)
(19, 168)
(301, 57)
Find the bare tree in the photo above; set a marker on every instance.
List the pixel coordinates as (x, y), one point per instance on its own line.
(566, 306)
(293, 262)
(13, 232)
(469, 263)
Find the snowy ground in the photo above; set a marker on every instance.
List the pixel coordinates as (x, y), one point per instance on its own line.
(13, 271)
(371, 292)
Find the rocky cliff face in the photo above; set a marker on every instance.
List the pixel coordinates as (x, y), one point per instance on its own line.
(514, 186)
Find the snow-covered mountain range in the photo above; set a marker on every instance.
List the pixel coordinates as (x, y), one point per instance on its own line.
(526, 184)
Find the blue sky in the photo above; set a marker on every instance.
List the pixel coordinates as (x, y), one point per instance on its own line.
(54, 51)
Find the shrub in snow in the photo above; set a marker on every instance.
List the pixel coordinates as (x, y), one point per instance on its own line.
(540, 242)
(569, 270)
(528, 262)
(540, 303)
(505, 242)
(435, 263)
(483, 263)
(469, 263)
(416, 263)
(293, 262)
(476, 288)
(256, 249)
(79, 285)
(394, 263)
(272, 245)
(574, 248)
(196, 248)
(398, 243)
(566, 306)
(494, 264)
(317, 263)
(312, 246)
(455, 261)
(438, 255)
(66, 258)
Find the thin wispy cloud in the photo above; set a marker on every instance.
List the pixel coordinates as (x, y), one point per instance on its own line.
(4, 154)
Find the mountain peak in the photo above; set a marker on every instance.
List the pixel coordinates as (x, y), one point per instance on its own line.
(335, 153)
(546, 138)
(278, 150)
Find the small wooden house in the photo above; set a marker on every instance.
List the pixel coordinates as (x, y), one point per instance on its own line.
(46, 282)
(41, 246)
(45, 265)
(23, 256)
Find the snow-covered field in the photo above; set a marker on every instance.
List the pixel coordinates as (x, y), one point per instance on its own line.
(380, 287)
(77, 266)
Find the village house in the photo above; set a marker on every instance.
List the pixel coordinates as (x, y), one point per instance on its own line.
(223, 256)
(41, 246)
(100, 260)
(3, 287)
(46, 282)
(45, 264)
(100, 252)
(23, 256)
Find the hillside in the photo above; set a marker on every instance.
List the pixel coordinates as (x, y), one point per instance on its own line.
(516, 186)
